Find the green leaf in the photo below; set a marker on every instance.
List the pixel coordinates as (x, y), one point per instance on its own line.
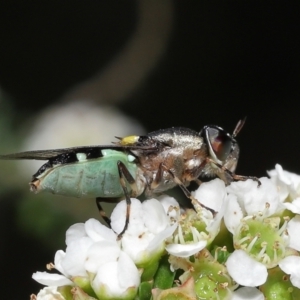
(164, 277)
(145, 291)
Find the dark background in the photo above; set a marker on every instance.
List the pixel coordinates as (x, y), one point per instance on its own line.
(223, 61)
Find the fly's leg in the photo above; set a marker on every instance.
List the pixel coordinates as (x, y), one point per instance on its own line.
(102, 212)
(126, 176)
(158, 178)
(233, 176)
(187, 193)
(198, 181)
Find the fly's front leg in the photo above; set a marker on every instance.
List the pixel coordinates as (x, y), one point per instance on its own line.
(187, 193)
(232, 175)
(126, 176)
(198, 181)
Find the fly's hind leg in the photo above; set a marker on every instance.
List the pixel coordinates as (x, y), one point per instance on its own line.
(187, 193)
(126, 176)
(102, 211)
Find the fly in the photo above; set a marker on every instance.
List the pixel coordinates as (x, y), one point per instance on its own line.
(149, 164)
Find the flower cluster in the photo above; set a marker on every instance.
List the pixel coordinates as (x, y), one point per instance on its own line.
(245, 246)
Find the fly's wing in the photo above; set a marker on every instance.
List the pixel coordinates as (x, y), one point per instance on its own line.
(52, 153)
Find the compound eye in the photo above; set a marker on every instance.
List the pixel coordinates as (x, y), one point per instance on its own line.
(220, 142)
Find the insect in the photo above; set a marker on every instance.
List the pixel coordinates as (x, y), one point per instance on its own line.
(151, 164)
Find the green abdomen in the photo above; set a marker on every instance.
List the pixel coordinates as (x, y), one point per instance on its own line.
(88, 178)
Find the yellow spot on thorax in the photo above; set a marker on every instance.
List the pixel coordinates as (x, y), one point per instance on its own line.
(129, 140)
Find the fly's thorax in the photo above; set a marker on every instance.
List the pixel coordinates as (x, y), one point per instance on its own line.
(177, 137)
(183, 160)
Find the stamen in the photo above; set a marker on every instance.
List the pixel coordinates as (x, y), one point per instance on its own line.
(195, 234)
(217, 251)
(180, 235)
(224, 285)
(263, 250)
(227, 277)
(283, 227)
(275, 258)
(250, 246)
(50, 266)
(266, 259)
(176, 239)
(244, 239)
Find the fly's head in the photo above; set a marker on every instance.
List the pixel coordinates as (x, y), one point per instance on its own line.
(223, 150)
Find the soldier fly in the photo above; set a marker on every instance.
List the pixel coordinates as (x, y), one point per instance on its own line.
(151, 164)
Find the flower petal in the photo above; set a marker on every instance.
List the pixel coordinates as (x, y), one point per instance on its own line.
(51, 279)
(117, 279)
(167, 203)
(127, 272)
(233, 213)
(98, 232)
(75, 232)
(211, 194)
(245, 270)
(159, 238)
(76, 252)
(154, 216)
(294, 206)
(291, 265)
(185, 250)
(58, 258)
(118, 216)
(100, 253)
(293, 229)
(286, 182)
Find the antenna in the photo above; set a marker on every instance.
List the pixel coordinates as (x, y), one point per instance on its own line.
(238, 127)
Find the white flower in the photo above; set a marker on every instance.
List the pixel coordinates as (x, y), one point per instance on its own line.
(117, 278)
(291, 265)
(79, 239)
(254, 199)
(257, 235)
(97, 259)
(245, 270)
(94, 254)
(148, 227)
(49, 293)
(288, 184)
(93, 250)
(210, 194)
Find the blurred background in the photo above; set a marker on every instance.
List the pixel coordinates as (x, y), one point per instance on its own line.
(81, 72)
